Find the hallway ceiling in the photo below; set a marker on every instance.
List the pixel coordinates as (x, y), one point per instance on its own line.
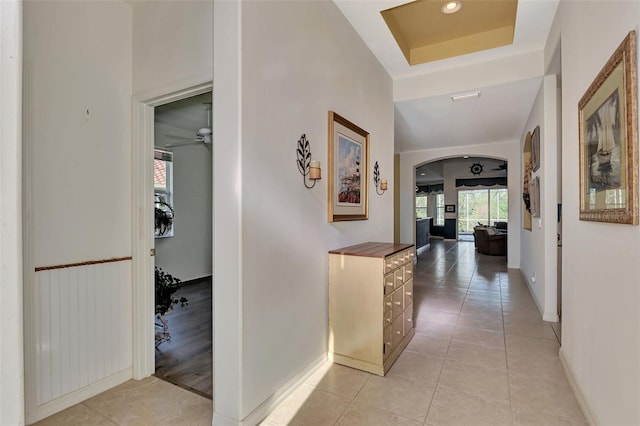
(507, 77)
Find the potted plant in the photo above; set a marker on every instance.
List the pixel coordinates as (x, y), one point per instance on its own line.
(163, 217)
(165, 285)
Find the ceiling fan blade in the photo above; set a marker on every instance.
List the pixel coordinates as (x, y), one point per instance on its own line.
(181, 143)
(176, 137)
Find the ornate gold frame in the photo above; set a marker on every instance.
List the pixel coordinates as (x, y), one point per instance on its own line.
(600, 198)
(341, 213)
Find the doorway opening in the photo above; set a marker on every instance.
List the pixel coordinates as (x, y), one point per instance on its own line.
(453, 194)
(183, 242)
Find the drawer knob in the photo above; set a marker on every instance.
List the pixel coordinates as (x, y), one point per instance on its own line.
(388, 303)
(387, 319)
(387, 343)
(409, 320)
(389, 284)
(408, 293)
(398, 332)
(398, 303)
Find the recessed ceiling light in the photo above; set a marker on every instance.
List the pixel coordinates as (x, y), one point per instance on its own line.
(463, 96)
(451, 7)
(423, 174)
(465, 157)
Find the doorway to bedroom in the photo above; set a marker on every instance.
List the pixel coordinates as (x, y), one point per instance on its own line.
(183, 243)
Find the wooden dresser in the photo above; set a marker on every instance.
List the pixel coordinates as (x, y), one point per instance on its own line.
(370, 304)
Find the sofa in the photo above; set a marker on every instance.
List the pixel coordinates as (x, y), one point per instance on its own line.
(490, 241)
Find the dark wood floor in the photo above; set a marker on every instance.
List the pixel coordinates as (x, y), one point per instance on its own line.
(187, 359)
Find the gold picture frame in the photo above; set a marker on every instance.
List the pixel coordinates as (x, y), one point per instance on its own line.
(348, 170)
(608, 138)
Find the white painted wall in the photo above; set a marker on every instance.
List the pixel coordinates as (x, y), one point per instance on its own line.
(11, 302)
(601, 294)
(77, 107)
(483, 74)
(77, 137)
(538, 258)
(172, 45)
(504, 150)
(299, 60)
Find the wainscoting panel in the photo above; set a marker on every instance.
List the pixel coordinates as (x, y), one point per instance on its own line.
(83, 326)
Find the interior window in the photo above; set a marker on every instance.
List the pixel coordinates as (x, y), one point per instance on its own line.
(163, 192)
(421, 206)
(440, 209)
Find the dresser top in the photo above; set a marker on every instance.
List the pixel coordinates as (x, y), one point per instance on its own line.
(371, 249)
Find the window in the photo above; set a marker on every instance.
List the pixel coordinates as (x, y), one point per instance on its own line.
(485, 206)
(421, 206)
(440, 209)
(163, 192)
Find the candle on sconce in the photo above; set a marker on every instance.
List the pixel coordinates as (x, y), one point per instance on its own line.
(383, 184)
(314, 170)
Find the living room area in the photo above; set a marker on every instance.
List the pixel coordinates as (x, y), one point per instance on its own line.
(463, 199)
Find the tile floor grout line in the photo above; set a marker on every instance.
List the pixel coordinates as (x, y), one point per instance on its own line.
(99, 413)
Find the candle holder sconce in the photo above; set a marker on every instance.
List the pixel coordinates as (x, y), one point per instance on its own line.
(305, 165)
(382, 184)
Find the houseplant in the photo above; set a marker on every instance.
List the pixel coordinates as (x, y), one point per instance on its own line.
(163, 217)
(165, 287)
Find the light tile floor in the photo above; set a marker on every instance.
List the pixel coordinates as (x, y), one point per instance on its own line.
(481, 356)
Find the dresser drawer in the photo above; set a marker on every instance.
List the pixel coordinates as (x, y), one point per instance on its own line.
(407, 256)
(407, 322)
(395, 259)
(397, 330)
(398, 277)
(388, 303)
(408, 272)
(408, 293)
(411, 255)
(389, 284)
(387, 319)
(388, 264)
(398, 303)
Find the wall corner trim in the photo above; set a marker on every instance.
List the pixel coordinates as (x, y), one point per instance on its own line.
(582, 401)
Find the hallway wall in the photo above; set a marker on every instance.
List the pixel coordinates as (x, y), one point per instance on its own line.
(77, 142)
(538, 257)
(601, 291)
(11, 296)
(296, 62)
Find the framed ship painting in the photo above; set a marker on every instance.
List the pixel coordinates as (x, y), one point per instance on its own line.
(608, 136)
(348, 168)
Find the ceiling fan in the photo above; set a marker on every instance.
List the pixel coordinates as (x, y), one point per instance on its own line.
(501, 167)
(203, 135)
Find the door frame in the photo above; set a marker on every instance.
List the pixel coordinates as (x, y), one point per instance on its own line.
(142, 237)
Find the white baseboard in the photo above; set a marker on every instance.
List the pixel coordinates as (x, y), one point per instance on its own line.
(586, 410)
(550, 317)
(76, 397)
(531, 292)
(264, 409)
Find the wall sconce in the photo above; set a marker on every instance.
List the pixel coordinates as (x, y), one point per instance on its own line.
(376, 180)
(305, 165)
